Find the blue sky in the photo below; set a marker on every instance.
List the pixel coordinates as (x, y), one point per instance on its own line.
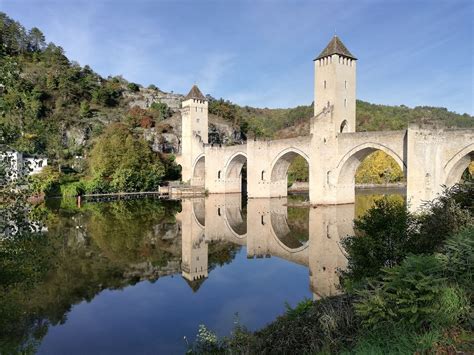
(260, 53)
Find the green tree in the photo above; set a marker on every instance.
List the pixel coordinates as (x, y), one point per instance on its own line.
(126, 161)
(162, 109)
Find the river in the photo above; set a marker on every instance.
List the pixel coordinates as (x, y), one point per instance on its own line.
(140, 276)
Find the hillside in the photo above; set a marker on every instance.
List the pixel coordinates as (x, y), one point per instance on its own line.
(52, 106)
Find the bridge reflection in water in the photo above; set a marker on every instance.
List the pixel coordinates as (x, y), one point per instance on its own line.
(263, 227)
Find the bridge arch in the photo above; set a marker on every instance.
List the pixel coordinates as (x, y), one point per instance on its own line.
(236, 222)
(279, 169)
(234, 172)
(283, 235)
(288, 226)
(199, 171)
(199, 212)
(349, 163)
(457, 164)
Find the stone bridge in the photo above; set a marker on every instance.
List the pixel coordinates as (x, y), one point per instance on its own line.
(265, 232)
(429, 156)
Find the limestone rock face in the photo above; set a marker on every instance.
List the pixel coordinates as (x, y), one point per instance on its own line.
(145, 97)
(76, 136)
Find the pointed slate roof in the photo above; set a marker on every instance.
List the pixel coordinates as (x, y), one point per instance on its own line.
(335, 46)
(195, 284)
(195, 93)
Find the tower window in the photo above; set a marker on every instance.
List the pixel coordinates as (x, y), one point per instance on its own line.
(345, 84)
(197, 120)
(344, 127)
(219, 174)
(263, 175)
(219, 211)
(325, 84)
(345, 102)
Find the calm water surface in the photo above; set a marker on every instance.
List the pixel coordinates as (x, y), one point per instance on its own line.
(139, 276)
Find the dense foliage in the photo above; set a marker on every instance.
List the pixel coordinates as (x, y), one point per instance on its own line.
(124, 162)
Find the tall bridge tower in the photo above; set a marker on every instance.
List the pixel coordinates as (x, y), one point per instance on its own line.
(335, 84)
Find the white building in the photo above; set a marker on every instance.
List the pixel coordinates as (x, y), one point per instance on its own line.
(21, 163)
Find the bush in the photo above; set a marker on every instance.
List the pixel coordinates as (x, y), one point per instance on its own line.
(458, 258)
(97, 185)
(329, 326)
(444, 216)
(162, 110)
(46, 182)
(381, 239)
(73, 189)
(133, 87)
(413, 295)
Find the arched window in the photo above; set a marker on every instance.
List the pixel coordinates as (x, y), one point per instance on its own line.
(345, 84)
(344, 126)
(263, 175)
(219, 211)
(325, 84)
(219, 174)
(345, 102)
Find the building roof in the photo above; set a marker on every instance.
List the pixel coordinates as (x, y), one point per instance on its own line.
(195, 93)
(335, 46)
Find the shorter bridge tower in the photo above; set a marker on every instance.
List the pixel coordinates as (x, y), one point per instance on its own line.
(194, 132)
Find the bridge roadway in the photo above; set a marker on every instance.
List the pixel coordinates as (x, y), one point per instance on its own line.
(429, 158)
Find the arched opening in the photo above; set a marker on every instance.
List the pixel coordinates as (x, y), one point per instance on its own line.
(290, 173)
(344, 125)
(199, 210)
(292, 228)
(199, 172)
(462, 170)
(236, 174)
(370, 167)
(237, 219)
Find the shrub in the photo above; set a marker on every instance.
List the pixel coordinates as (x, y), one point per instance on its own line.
(97, 185)
(444, 216)
(72, 189)
(381, 239)
(162, 110)
(412, 295)
(46, 181)
(458, 258)
(133, 87)
(300, 309)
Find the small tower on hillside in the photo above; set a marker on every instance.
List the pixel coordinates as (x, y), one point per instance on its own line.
(335, 84)
(194, 130)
